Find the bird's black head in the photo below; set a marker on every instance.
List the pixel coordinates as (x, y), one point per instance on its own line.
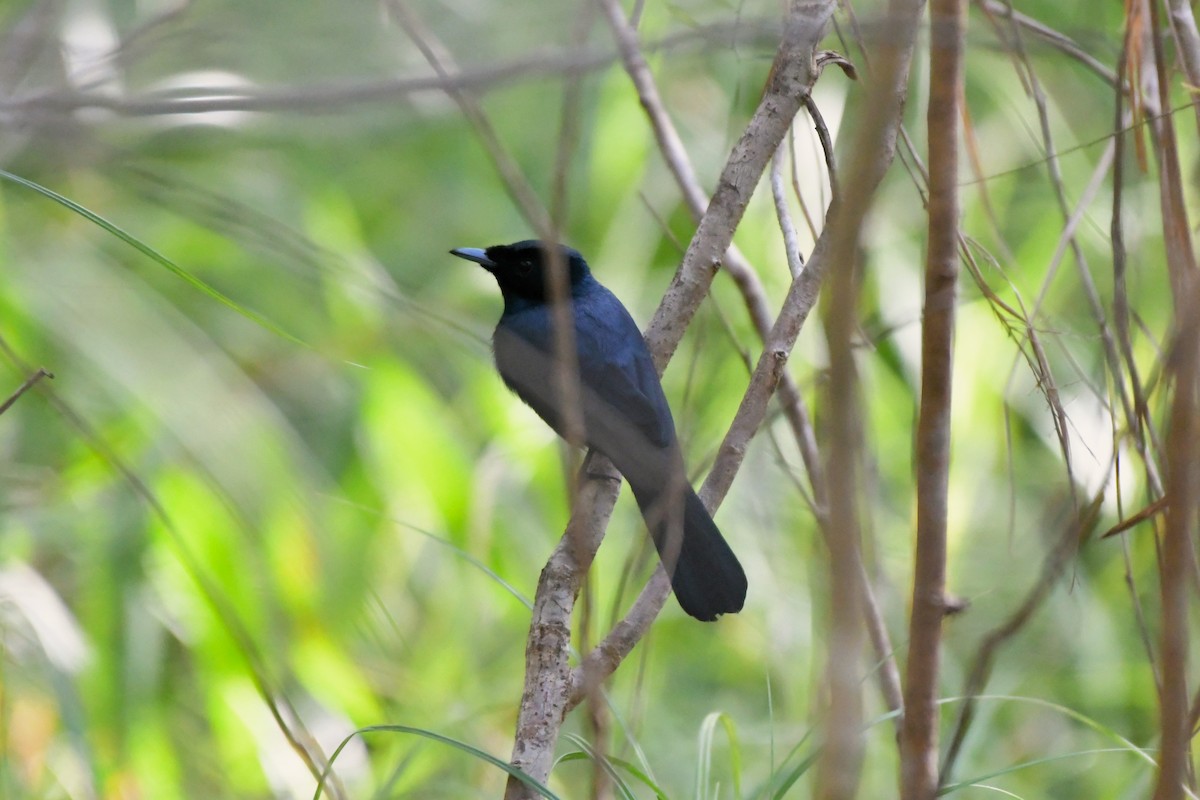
(521, 268)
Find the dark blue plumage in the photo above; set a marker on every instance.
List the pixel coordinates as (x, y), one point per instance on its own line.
(625, 414)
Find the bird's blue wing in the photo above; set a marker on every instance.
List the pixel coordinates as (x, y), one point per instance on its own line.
(615, 365)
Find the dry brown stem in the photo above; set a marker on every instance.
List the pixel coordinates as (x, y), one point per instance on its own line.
(919, 737)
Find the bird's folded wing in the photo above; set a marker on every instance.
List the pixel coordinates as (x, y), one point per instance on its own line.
(630, 387)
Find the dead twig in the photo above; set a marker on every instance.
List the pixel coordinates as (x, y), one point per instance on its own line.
(28, 384)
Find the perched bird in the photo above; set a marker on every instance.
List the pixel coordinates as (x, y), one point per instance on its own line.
(624, 413)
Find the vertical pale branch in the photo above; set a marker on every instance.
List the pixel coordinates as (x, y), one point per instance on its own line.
(872, 148)
(838, 771)
(547, 670)
(570, 118)
(1183, 491)
(1183, 461)
(566, 376)
(919, 737)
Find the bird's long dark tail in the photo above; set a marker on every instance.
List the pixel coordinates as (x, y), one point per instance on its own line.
(706, 576)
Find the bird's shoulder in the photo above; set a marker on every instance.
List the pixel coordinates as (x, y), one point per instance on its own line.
(604, 326)
(615, 362)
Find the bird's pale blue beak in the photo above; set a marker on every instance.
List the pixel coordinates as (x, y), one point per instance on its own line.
(480, 257)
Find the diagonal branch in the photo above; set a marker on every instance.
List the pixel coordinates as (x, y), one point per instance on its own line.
(25, 386)
(792, 75)
(790, 81)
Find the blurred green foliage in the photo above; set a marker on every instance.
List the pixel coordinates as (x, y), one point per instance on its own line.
(204, 524)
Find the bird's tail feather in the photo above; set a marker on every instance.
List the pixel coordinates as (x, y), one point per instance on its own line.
(707, 578)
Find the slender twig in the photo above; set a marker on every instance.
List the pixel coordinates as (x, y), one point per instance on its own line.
(839, 767)
(1141, 428)
(873, 148)
(28, 384)
(746, 278)
(1052, 37)
(814, 112)
(566, 374)
(439, 59)
(569, 121)
(1071, 537)
(787, 228)
(549, 643)
(1112, 357)
(334, 95)
(1187, 41)
(795, 175)
(569, 132)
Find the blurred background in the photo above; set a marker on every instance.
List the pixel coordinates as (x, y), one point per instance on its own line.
(275, 491)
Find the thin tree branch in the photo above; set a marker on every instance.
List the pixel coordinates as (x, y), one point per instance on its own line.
(1056, 39)
(549, 643)
(1070, 539)
(873, 148)
(25, 386)
(338, 94)
(919, 737)
(547, 671)
(1141, 426)
(1183, 489)
(840, 764)
(1112, 357)
(1187, 42)
(787, 228)
(1183, 460)
(792, 76)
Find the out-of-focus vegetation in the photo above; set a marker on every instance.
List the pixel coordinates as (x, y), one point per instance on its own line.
(214, 536)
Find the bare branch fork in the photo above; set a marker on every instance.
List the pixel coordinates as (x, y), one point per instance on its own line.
(551, 688)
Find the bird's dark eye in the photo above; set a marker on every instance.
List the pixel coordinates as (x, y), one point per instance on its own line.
(525, 266)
